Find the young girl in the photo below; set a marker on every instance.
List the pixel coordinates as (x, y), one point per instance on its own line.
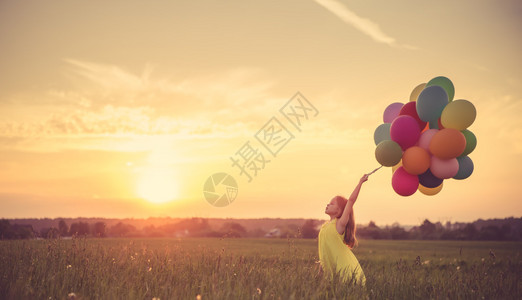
(337, 238)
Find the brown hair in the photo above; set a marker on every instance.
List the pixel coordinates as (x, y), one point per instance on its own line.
(349, 231)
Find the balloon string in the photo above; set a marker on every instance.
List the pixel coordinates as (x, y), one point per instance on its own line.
(374, 171)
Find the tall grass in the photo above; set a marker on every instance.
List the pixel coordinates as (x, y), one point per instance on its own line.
(253, 269)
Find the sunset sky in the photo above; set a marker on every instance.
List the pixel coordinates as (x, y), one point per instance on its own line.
(105, 106)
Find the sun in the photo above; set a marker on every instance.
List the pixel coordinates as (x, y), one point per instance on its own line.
(158, 185)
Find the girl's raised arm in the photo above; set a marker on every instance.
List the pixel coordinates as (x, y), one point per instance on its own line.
(345, 217)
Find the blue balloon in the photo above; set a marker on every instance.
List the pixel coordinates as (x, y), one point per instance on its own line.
(427, 179)
(382, 133)
(431, 102)
(465, 167)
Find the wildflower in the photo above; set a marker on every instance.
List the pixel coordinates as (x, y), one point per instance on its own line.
(150, 269)
(69, 266)
(156, 298)
(458, 268)
(492, 254)
(426, 262)
(258, 291)
(198, 297)
(71, 296)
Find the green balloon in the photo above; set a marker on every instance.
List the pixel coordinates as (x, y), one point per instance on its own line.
(471, 142)
(445, 83)
(382, 133)
(388, 153)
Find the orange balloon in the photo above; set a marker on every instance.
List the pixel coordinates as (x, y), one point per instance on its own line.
(447, 143)
(416, 160)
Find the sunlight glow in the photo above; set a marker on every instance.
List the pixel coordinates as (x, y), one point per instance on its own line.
(158, 185)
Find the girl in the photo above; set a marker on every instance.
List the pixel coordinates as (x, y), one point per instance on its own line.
(336, 234)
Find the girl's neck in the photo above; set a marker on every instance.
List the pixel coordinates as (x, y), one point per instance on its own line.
(332, 218)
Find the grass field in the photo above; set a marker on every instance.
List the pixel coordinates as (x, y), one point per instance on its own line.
(213, 268)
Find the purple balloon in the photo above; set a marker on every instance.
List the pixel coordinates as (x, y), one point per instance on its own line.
(405, 131)
(391, 112)
(427, 179)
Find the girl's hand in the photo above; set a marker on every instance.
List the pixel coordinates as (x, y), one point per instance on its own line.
(364, 178)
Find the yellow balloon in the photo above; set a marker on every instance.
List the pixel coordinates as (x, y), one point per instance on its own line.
(458, 114)
(397, 166)
(416, 92)
(430, 191)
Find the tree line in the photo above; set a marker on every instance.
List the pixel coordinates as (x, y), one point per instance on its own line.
(507, 230)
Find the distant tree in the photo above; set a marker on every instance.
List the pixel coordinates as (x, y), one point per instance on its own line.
(469, 232)
(63, 228)
(16, 231)
(50, 233)
(506, 231)
(99, 229)
(448, 226)
(427, 230)
(152, 231)
(491, 233)
(309, 229)
(233, 229)
(398, 233)
(79, 229)
(5, 229)
(372, 231)
(121, 229)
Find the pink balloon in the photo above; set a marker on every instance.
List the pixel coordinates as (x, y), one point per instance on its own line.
(444, 168)
(404, 183)
(391, 112)
(425, 139)
(405, 131)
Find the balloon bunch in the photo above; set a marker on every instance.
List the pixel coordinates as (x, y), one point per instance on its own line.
(426, 140)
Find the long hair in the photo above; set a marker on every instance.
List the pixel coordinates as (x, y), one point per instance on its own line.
(349, 231)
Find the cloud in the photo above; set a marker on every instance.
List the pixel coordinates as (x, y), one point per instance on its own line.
(365, 26)
(115, 85)
(108, 102)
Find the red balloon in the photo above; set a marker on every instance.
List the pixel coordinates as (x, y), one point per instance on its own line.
(409, 109)
(404, 183)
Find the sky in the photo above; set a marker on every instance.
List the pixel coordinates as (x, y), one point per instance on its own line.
(108, 108)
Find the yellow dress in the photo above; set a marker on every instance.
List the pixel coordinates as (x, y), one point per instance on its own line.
(335, 255)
